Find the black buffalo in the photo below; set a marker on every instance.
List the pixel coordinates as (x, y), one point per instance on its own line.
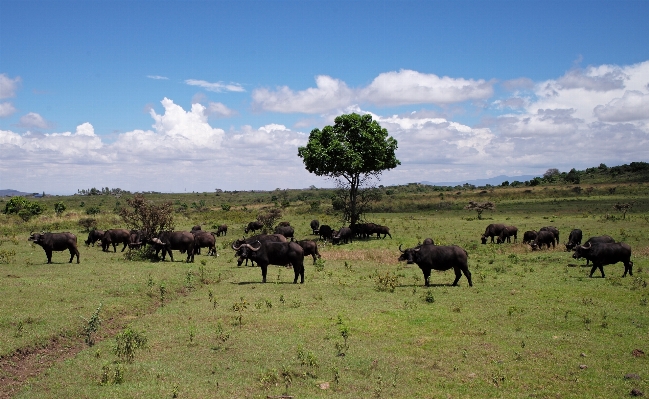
(310, 248)
(136, 239)
(315, 226)
(574, 239)
(326, 232)
(428, 241)
(178, 240)
(434, 257)
(275, 253)
(253, 226)
(529, 236)
(554, 231)
(196, 228)
(344, 234)
(543, 237)
(597, 240)
(252, 240)
(385, 230)
(222, 229)
(507, 233)
(286, 231)
(115, 237)
(94, 236)
(56, 242)
(204, 239)
(606, 254)
(493, 230)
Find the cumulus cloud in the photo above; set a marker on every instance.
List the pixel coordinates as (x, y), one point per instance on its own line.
(217, 87)
(593, 79)
(7, 109)
(33, 120)
(632, 106)
(517, 84)
(8, 86)
(388, 89)
(512, 102)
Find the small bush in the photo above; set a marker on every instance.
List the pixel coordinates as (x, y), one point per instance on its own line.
(127, 342)
(386, 282)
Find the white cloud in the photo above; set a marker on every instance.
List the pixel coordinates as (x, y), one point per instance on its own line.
(157, 77)
(516, 84)
(604, 78)
(632, 106)
(33, 120)
(329, 94)
(219, 110)
(215, 87)
(7, 109)
(387, 89)
(412, 87)
(8, 86)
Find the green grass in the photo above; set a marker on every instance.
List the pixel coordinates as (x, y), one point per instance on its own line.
(525, 328)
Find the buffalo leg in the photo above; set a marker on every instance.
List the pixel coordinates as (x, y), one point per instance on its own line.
(171, 255)
(458, 274)
(49, 256)
(299, 272)
(426, 276)
(125, 244)
(628, 267)
(467, 273)
(264, 269)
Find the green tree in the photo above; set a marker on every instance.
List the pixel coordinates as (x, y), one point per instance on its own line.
(23, 207)
(59, 208)
(355, 150)
(147, 216)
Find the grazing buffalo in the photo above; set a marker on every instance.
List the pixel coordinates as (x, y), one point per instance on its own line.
(136, 239)
(286, 231)
(344, 234)
(222, 229)
(606, 254)
(56, 242)
(310, 248)
(315, 226)
(179, 240)
(434, 257)
(574, 239)
(196, 228)
(543, 237)
(493, 230)
(385, 230)
(554, 231)
(507, 233)
(596, 240)
(252, 240)
(275, 253)
(529, 236)
(203, 239)
(326, 232)
(253, 226)
(94, 236)
(115, 237)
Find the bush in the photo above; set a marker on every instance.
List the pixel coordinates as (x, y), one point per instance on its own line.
(23, 207)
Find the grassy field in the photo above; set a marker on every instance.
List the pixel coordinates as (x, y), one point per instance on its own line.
(362, 325)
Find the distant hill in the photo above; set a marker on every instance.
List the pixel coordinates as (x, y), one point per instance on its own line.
(494, 181)
(12, 193)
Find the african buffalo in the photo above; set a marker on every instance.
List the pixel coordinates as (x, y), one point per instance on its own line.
(179, 240)
(529, 236)
(222, 229)
(136, 239)
(544, 237)
(275, 253)
(115, 237)
(253, 226)
(325, 232)
(94, 236)
(605, 254)
(344, 234)
(284, 224)
(196, 228)
(493, 230)
(286, 231)
(310, 248)
(596, 240)
(315, 226)
(574, 239)
(554, 231)
(385, 230)
(56, 242)
(253, 239)
(506, 233)
(434, 257)
(204, 239)
(428, 241)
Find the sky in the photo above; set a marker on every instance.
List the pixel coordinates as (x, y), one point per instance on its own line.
(183, 96)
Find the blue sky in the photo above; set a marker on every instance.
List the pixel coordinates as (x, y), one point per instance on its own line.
(191, 96)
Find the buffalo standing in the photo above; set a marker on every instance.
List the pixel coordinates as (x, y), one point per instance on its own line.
(606, 254)
(275, 253)
(434, 257)
(56, 242)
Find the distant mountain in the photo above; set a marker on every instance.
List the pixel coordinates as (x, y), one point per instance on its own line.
(12, 193)
(494, 181)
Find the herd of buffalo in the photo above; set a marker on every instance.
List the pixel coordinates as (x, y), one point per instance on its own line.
(276, 249)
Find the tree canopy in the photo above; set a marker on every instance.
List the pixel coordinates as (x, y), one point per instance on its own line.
(356, 148)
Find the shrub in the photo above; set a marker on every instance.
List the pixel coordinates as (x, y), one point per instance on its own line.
(127, 342)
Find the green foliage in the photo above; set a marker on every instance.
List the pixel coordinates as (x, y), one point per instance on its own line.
(147, 216)
(93, 210)
(59, 208)
(23, 207)
(128, 342)
(387, 281)
(353, 150)
(225, 207)
(110, 376)
(91, 326)
(88, 223)
(7, 255)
